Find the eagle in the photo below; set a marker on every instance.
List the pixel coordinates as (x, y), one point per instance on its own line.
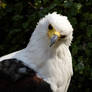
(45, 65)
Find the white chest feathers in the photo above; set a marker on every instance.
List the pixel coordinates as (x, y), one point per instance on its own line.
(56, 69)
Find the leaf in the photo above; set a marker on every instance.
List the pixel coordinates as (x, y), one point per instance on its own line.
(3, 5)
(90, 45)
(89, 31)
(25, 25)
(17, 17)
(74, 50)
(67, 4)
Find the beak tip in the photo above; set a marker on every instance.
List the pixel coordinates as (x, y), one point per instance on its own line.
(53, 40)
(51, 44)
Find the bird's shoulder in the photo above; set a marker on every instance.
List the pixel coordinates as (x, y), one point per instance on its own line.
(17, 76)
(15, 69)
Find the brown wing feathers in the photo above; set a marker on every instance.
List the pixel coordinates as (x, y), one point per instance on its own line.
(16, 77)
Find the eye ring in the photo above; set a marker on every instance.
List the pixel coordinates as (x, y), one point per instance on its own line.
(50, 27)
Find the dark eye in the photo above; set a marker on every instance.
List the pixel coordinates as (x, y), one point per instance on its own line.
(50, 27)
(63, 36)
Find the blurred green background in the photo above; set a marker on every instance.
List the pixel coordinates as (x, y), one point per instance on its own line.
(18, 19)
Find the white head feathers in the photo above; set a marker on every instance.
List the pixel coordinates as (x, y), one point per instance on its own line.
(59, 22)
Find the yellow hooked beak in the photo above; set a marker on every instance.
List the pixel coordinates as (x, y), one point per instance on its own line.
(53, 35)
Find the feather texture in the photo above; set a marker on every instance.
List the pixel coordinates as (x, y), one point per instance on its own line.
(16, 77)
(52, 64)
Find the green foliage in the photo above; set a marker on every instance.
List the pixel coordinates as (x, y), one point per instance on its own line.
(18, 19)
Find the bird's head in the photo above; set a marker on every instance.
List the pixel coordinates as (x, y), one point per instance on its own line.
(56, 28)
